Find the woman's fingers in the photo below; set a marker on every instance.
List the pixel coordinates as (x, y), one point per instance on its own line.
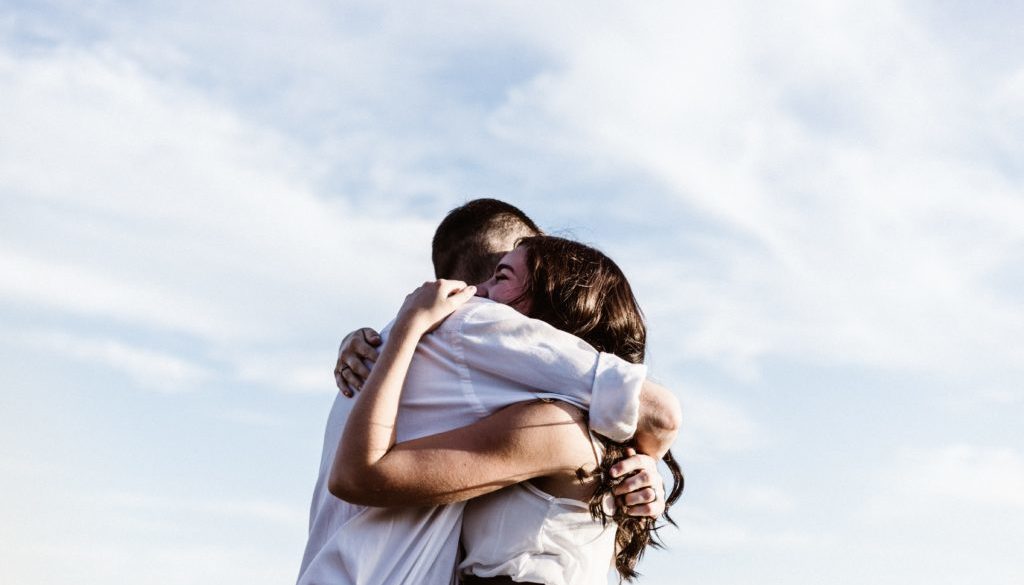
(427, 306)
(459, 297)
(447, 288)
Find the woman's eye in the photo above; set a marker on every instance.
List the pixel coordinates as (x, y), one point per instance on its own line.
(499, 278)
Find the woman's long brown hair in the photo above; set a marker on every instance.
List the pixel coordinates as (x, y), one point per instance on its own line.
(578, 289)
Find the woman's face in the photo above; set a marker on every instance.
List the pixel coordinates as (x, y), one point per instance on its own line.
(508, 281)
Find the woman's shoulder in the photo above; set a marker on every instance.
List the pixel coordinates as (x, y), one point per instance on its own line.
(546, 410)
(563, 426)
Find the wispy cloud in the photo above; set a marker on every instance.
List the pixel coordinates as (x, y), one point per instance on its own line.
(989, 478)
(148, 368)
(829, 185)
(161, 193)
(713, 427)
(701, 530)
(289, 371)
(847, 219)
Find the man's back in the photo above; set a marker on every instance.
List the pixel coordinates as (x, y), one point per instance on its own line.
(484, 357)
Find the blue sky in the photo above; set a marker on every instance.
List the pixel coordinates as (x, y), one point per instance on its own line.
(819, 204)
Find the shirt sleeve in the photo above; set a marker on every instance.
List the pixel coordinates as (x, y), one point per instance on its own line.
(494, 338)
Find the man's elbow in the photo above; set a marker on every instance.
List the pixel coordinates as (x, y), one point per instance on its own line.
(660, 411)
(669, 418)
(661, 417)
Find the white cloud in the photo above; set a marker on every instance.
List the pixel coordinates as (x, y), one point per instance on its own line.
(851, 212)
(713, 427)
(757, 498)
(289, 371)
(148, 368)
(701, 530)
(238, 510)
(989, 478)
(257, 182)
(253, 418)
(170, 211)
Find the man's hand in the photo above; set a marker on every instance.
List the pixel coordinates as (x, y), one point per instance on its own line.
(356, 356)
(642, 492)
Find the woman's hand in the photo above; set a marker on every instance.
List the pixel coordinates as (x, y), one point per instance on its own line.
(426, 307)
(642, 491)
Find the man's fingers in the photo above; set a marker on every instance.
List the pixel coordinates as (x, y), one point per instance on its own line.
(370, 336)
(648, 502)
(652, 510)
(358, 369)
(353, 381)
(357, 349)
(633, 463)
(362, 350)
(639, 480)
(641, 496)
(339, 380)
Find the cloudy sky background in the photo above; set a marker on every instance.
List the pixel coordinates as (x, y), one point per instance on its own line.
(820, 205)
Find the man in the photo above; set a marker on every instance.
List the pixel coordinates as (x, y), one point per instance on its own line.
(356, 544)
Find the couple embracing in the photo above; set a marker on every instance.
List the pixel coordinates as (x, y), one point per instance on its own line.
(494, 432)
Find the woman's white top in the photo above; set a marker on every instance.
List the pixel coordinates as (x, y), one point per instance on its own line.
(531, 536)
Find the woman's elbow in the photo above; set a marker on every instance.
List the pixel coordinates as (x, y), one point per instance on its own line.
(363, 489)
(346, 486)
(338, 487)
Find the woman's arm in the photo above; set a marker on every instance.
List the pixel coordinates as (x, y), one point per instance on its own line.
(517, 443)
(520, 442)
(370, 430)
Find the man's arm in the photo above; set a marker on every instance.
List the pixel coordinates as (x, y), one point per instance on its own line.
(660, 420)
(659, 417)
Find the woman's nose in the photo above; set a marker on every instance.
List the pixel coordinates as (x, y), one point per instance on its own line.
(481, 290)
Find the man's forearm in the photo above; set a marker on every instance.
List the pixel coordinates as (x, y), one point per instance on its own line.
(660, 420)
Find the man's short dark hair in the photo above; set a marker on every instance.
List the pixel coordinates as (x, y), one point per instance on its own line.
(462, 246)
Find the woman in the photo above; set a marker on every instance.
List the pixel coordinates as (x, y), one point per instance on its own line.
(550, 535)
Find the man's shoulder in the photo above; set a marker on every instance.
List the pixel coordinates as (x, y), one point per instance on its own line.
(481, 310)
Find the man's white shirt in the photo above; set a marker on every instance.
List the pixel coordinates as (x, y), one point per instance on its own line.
(484, 357)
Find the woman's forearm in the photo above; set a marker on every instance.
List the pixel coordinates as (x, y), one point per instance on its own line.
(370, 430)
